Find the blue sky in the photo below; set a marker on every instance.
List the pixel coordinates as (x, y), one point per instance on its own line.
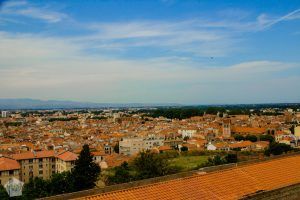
(147, 51)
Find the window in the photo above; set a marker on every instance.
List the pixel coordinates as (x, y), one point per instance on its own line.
(40, 159)
(30, 160)
(40, 166)
(41, 172)
(11, 172)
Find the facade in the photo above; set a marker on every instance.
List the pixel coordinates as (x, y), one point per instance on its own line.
(43, 164)
(9, 169)
(187, 133)
(65, 161)
(297, 131)
(226, 128)
(130, 146)
(4, 114)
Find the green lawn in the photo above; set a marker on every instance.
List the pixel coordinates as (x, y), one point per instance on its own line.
(187, 163)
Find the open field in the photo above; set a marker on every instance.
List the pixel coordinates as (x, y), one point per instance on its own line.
(188, 162)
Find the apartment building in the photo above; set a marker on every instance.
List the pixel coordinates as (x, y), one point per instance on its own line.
(9, 168)
(36, 164)
(65, 161)
(130, 146)
(43, 163)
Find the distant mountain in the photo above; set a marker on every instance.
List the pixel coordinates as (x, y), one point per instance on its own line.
(54, 104)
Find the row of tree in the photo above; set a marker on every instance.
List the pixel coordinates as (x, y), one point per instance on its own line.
(254, 138)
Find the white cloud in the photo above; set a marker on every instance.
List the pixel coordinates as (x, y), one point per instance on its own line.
(40, 67)
(25, 9)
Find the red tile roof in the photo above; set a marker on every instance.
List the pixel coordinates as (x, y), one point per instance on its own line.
(8, 164)
(227, 184)
(67, 156)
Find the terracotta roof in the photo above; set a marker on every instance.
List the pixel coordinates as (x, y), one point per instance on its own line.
(8, 164)
(227, 184)
(67, 156)
(31, 155)
(248, 130)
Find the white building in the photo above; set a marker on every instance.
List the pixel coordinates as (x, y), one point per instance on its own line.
(134, 145)
(4, 114)
(187, 133)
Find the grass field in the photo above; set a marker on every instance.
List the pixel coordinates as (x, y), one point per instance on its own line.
(187, 163)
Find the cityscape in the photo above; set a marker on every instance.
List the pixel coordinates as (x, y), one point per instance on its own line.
(162, 99)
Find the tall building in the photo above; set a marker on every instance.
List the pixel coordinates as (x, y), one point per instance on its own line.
(226, 128)
(4, 114)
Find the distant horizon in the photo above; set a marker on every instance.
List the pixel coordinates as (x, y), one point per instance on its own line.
(146, 103)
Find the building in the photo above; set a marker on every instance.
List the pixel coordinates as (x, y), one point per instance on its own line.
(187, 133)
(65, 161)
(9, 168)
(130, 146)
(4, 114)
(43, 163)
(36, 164)
(297, 131)
(226, 130)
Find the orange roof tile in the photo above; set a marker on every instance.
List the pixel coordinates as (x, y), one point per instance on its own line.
(228, 184)
(67, 156)
(8, 164)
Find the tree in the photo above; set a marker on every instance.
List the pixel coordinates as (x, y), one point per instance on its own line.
(184, 148)
(231, 158)
(251, 138)
(86, 171)
(186, 138)
(215, 160)
(238, 137)
(36, 188)
(3, 193)
(268, 137)
(122, 174)
(61, 183)
(149, 164)
(277, 149)
(116, 148)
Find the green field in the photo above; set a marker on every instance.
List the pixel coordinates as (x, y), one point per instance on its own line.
(187, 163)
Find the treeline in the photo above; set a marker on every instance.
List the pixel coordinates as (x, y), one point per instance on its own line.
(62, 119)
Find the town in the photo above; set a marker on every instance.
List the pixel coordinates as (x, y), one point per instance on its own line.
(41, 143)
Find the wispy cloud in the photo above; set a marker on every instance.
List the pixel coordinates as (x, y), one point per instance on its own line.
(265, 21)
(25, 9)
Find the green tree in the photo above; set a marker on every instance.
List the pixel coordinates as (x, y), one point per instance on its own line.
(86, 171)
(238, 137)
(215, 160)
(36, 188)
(251, 138)
(122, 174)
(116, 148)
(149, 164)
(3, 193)
(268, 137)
(231, 158)
(186, 138)
(61, 183)
(184, 148)
(277, 149)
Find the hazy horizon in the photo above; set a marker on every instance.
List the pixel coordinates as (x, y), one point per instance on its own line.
(160, 51)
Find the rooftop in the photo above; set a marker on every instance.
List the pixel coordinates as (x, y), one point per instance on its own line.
(233, 183)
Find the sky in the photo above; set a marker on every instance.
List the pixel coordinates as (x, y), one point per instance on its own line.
(151, 51)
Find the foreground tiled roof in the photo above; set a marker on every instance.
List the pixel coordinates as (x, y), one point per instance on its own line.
(232, 183)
